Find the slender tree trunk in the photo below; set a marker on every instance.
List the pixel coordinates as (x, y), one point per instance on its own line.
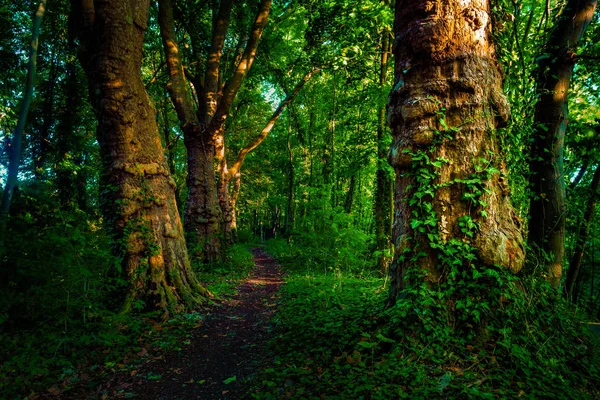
(15, 147)
(350, 195)
(547, 206)
(227, 173)
(138, 192)
(383, 194)
(70, 144)
(289, 210)
(583, 234)
(451, 185)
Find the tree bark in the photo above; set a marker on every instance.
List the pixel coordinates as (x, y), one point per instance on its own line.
(383, 193)
(547, 205)
(202, 213)
(451, 185)
(583, 234)
(138, 192)
(15, 147)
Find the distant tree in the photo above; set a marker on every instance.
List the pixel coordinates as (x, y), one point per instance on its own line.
(204, 126)
(17, 138)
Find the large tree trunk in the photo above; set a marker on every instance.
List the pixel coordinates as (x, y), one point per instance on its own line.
(582, 237)
(383, 188)
(451, 186)
(138, 192)
(547, 206)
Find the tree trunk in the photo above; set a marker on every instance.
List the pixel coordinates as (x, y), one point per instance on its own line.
(451, 199)
(289, 210)
(227, 173)
(41, 139)
(350, 195)
(547, 206)
(70, 144)
(383, 193)
(202, 212)
(15, 146)
(582, 237)
(138, 192)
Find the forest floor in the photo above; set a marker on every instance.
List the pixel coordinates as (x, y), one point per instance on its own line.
(219, 358)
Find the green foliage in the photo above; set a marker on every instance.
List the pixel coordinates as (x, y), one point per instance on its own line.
(508, 338)
(221, 278)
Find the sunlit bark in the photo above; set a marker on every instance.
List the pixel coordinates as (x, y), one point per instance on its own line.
(446, 102)
(138, 192)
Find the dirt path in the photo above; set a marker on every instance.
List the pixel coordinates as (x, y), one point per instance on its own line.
(229, 347)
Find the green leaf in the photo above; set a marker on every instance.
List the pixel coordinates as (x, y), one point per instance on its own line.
(229, 380)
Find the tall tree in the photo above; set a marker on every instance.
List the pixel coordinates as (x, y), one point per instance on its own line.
(138, 192)
(547, 206)
(451, 197)
(15, 148)
(383, 189)
(233, 173)
(204, 128)
(582, 237)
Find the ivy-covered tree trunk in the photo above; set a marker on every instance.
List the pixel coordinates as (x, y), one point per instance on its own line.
(547, 206)
(138, 193)
(452, 209)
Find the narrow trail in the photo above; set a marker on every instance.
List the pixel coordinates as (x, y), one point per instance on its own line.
(231, 343)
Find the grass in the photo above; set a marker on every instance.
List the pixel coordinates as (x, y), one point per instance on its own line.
(62, 355)
(334, 339)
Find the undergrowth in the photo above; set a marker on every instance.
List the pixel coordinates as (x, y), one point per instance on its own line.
(512, 338)
(57, 329)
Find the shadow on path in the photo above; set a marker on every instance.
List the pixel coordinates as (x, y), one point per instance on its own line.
(229, 347)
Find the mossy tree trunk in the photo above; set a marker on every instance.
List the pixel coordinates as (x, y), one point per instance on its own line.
(138, 193)
(451, 194)
(17, 137)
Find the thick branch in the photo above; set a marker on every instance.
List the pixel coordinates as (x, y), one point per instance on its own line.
(211, 79)
(235, 168)
(235, 82)
(177, 85)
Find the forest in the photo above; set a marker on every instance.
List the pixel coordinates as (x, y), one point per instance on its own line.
(305, 199)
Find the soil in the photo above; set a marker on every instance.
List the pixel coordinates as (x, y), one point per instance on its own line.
(223, 355)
